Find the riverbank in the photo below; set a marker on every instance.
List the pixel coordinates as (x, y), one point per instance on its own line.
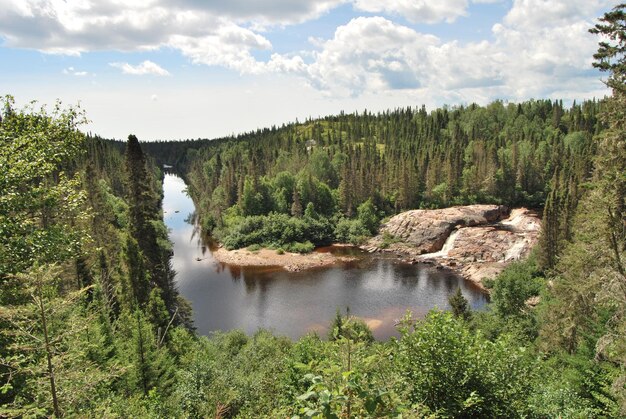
(292, 262)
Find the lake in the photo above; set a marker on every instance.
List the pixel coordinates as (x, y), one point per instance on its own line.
(377, 288)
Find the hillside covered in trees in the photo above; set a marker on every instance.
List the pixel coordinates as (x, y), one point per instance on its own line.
(91, 324)
(349, 171)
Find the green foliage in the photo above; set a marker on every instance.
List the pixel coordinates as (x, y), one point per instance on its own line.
(344, 377)
(456, 373)
(255, 247)
(41, 204)
(388, 240)
(351, 231)
(514, 286)
(611, 54)
(46, 335)
(216, 375)
(299, 247)
(148, 364)
(278, 230)
(349, 327)
(366, 214)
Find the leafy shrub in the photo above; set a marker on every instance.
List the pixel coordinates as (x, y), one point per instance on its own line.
(388, 240)
(349, 327)
(298, 247)
(351, 231)
(462, 374)
(278, 230)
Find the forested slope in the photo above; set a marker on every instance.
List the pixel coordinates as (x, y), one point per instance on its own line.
(86, 286)
(522, 154)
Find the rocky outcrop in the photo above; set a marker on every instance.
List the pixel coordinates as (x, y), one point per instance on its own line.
(427, 230)
(477, 240)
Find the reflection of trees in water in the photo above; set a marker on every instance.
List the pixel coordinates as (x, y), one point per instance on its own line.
(235, 272)
(258, 277)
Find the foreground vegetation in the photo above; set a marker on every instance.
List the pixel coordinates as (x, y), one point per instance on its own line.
(91, 324)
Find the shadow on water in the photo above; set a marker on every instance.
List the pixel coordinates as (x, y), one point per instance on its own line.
(378, 288)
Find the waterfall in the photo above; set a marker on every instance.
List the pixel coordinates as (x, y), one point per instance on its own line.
(447, 246)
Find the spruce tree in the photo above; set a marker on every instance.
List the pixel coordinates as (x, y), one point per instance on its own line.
(460, 305)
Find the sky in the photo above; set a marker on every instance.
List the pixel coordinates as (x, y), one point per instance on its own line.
(183, 69)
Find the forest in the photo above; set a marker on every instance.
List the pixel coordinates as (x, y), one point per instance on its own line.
(92, 325)
(332, 179)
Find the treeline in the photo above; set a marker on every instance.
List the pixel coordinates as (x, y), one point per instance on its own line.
(514, 154)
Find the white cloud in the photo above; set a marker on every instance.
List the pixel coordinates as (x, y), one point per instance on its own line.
(260, 13)
(547, 45)
(371, 54)
(146, 67)
(539, 49)
(375, 55)
(228, 46)
(426, 11)
(73, 72)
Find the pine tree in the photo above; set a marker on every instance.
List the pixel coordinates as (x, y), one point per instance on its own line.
(460, 305)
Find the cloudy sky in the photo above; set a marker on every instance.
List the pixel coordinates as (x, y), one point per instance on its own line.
(175, 69)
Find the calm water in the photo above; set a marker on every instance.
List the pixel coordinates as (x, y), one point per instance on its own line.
(377, 289)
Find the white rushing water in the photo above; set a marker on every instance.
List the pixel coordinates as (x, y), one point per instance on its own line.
(447, 246)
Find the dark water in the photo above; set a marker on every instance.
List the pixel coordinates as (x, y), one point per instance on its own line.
(377, 289)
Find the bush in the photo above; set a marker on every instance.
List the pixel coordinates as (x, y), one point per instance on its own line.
(278, 230)
(297, 247)
(349, 327)
(368, 217)
(351, 231)
(388, 240)
(461, 374)
(514, 286)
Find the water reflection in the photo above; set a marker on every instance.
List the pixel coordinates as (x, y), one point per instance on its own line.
(224, 297)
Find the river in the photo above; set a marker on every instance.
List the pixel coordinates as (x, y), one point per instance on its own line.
(378, 289)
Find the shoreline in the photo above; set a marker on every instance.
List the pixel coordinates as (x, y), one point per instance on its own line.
(297, 262)
(291, 262)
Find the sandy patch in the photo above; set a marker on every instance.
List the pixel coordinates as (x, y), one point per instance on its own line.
(292, 262)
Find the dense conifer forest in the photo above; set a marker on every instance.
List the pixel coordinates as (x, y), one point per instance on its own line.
(91, 323)
(367, 166)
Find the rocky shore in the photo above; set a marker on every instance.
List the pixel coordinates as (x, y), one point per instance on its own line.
(478, 241)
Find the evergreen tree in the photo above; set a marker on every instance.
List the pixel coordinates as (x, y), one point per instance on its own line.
(459, 304)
